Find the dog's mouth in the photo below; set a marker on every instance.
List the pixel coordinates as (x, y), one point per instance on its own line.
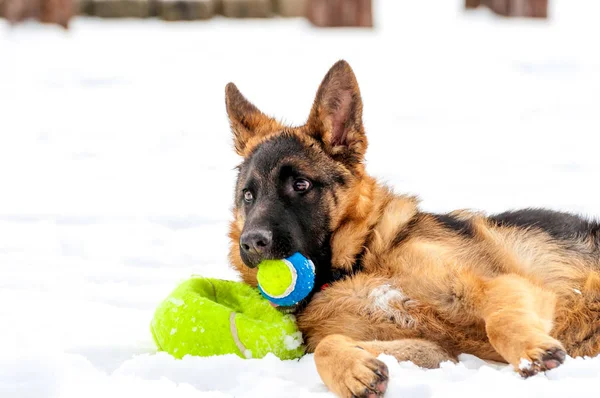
(253, 260)
(290, 309)
(299, 306)
(286, 310)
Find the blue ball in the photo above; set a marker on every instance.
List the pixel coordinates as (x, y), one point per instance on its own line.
(303, 281)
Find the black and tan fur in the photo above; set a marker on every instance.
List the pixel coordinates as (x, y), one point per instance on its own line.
(521, 287)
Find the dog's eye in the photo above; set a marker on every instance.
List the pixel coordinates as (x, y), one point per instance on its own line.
(248, 197)
(301, 185)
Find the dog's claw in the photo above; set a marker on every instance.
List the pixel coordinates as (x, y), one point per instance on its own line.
(374, 385)
(551, 359)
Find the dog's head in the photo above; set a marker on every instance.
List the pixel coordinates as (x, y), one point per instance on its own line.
(296, 185)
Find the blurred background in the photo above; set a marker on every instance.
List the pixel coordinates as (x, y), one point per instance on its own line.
(325, 13)
(116, 159)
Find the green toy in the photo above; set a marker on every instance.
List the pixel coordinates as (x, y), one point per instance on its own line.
(205, 317)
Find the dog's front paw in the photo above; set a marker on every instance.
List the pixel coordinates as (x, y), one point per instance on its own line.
(348, 370)
(541, 359)
(367, 377)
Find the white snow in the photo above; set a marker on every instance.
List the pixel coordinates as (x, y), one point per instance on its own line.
(116, 174)
(524, 364)
(291, 342)
(176, 301)
(392, 302)
(383, 296)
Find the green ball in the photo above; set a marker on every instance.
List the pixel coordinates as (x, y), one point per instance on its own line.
(206, 317)
(274, 277)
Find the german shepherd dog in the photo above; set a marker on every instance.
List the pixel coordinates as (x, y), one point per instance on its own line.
(521, 287)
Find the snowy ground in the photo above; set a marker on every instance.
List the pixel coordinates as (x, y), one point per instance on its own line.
(116, 174)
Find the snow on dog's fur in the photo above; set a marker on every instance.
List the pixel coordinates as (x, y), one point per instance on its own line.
(393, 303)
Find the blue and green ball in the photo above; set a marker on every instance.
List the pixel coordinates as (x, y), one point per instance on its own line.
(286, 282)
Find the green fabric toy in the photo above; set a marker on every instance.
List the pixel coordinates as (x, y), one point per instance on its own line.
(205, 317)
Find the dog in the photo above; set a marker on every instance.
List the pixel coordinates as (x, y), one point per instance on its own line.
(521, 287)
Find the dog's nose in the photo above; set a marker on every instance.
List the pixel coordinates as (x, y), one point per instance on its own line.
(256, 241)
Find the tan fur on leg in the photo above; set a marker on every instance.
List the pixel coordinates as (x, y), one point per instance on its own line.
(518, 317)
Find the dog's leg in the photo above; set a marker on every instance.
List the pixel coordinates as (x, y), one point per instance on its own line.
(518, 319)
(348, 369)
(351, 369)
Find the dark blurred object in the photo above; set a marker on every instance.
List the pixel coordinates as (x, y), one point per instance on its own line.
(121, 8)
(16, 11)
(338, 13)
(85, 7)
(513, 8)
(188, 10)
(49, 11)
(291, 8)
(247, 8)
(323, 13)
(57, 11)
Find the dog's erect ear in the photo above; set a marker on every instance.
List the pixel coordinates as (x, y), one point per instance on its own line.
(245, 119)
(336, 115)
